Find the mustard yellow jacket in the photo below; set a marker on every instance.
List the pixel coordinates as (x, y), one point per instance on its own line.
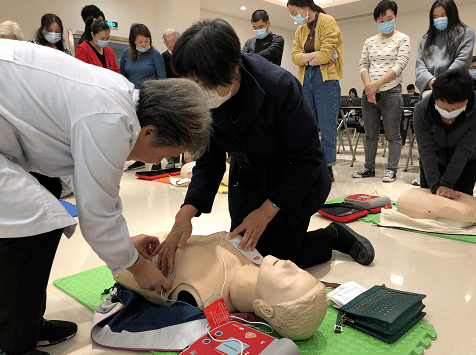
(327, 39)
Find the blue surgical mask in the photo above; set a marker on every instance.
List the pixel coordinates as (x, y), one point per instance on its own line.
(441, 23)
(143, 49)
(473, 73)
(299, 19)
(386, 27)
(52, 37)
(260, 34)
(102, 44)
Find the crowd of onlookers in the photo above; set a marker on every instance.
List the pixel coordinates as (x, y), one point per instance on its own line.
(317, 50)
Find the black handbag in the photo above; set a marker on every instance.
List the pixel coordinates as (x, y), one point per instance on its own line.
(382, 312)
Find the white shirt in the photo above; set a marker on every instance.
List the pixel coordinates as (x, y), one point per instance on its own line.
(381, 55)
(60, 116)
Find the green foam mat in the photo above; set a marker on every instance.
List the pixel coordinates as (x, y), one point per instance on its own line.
(86, 287)
(375, 219)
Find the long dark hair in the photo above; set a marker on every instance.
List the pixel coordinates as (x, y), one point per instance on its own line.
(454, 31)
(303, 3)
(138, 29)
(46, 21)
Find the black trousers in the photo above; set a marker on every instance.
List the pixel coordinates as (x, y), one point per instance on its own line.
(464, 184)
(25, 266)
(303, 248)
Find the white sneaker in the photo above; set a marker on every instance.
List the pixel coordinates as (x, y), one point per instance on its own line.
(390, 176)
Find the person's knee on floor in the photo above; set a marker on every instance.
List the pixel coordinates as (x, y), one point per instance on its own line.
(347, 241)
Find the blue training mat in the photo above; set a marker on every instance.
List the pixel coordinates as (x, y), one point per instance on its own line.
(72, 210)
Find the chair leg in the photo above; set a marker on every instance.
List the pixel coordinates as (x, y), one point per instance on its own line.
(355, 150)
(410, 151)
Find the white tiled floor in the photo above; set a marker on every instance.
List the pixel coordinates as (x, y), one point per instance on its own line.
(440, 268)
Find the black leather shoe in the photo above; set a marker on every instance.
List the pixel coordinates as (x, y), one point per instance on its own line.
(362, 250)
(56, 331)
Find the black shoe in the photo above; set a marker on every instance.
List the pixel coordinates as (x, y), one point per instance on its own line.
(365, 172)
(135, 166)
(156, 167)
(329, 168)
(56, 331)
(357, 246)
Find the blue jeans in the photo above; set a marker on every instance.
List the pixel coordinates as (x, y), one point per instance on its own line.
(324, 99)
(390, 108)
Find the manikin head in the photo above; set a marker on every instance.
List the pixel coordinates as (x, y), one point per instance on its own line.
(287, 297)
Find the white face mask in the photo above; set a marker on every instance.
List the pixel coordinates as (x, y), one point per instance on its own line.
(214, 100)
(452, 114)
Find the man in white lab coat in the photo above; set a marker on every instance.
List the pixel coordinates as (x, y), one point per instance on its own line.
(60, 116)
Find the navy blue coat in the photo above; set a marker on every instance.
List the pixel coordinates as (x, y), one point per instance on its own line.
(275, 149)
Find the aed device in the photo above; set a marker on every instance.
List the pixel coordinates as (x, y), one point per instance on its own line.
(253, 342)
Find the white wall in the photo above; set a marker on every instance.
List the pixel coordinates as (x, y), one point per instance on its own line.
(159, 15)
(414, 25)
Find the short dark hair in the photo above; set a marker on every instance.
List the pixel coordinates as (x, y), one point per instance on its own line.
(383, 6)
(46, 21)
(178, 111)
(95, 26)
(310, 3)
(410, 87)
(138, 29)
(259, 15)
(91, 10)
(209, 53)
(474, 59)
(453, 86)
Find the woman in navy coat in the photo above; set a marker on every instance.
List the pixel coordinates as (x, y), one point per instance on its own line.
(278, 174)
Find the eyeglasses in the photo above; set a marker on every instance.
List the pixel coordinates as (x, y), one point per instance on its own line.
(293, 16)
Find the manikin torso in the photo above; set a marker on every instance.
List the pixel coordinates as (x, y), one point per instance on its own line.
(200, 273)
(422, 204)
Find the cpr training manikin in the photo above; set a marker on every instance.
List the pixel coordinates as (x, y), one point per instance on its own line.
(290, 299)
(421, 203)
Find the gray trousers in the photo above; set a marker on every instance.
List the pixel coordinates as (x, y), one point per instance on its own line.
(390, 108)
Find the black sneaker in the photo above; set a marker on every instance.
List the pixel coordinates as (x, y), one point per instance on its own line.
(135, 166)
(156, 167)
(365, 172)
(56, 331)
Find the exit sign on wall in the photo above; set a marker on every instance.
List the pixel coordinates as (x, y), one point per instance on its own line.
(113, 24)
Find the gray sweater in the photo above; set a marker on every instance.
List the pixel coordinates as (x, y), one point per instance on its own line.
(437, 147)
(428, 68)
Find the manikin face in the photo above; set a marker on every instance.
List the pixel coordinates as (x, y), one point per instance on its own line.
(282, 281)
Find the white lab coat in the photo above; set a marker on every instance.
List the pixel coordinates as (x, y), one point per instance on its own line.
(60, 116)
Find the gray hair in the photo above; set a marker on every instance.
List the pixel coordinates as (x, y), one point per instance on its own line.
(175, 33)
(10, 28)
(178, 111)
